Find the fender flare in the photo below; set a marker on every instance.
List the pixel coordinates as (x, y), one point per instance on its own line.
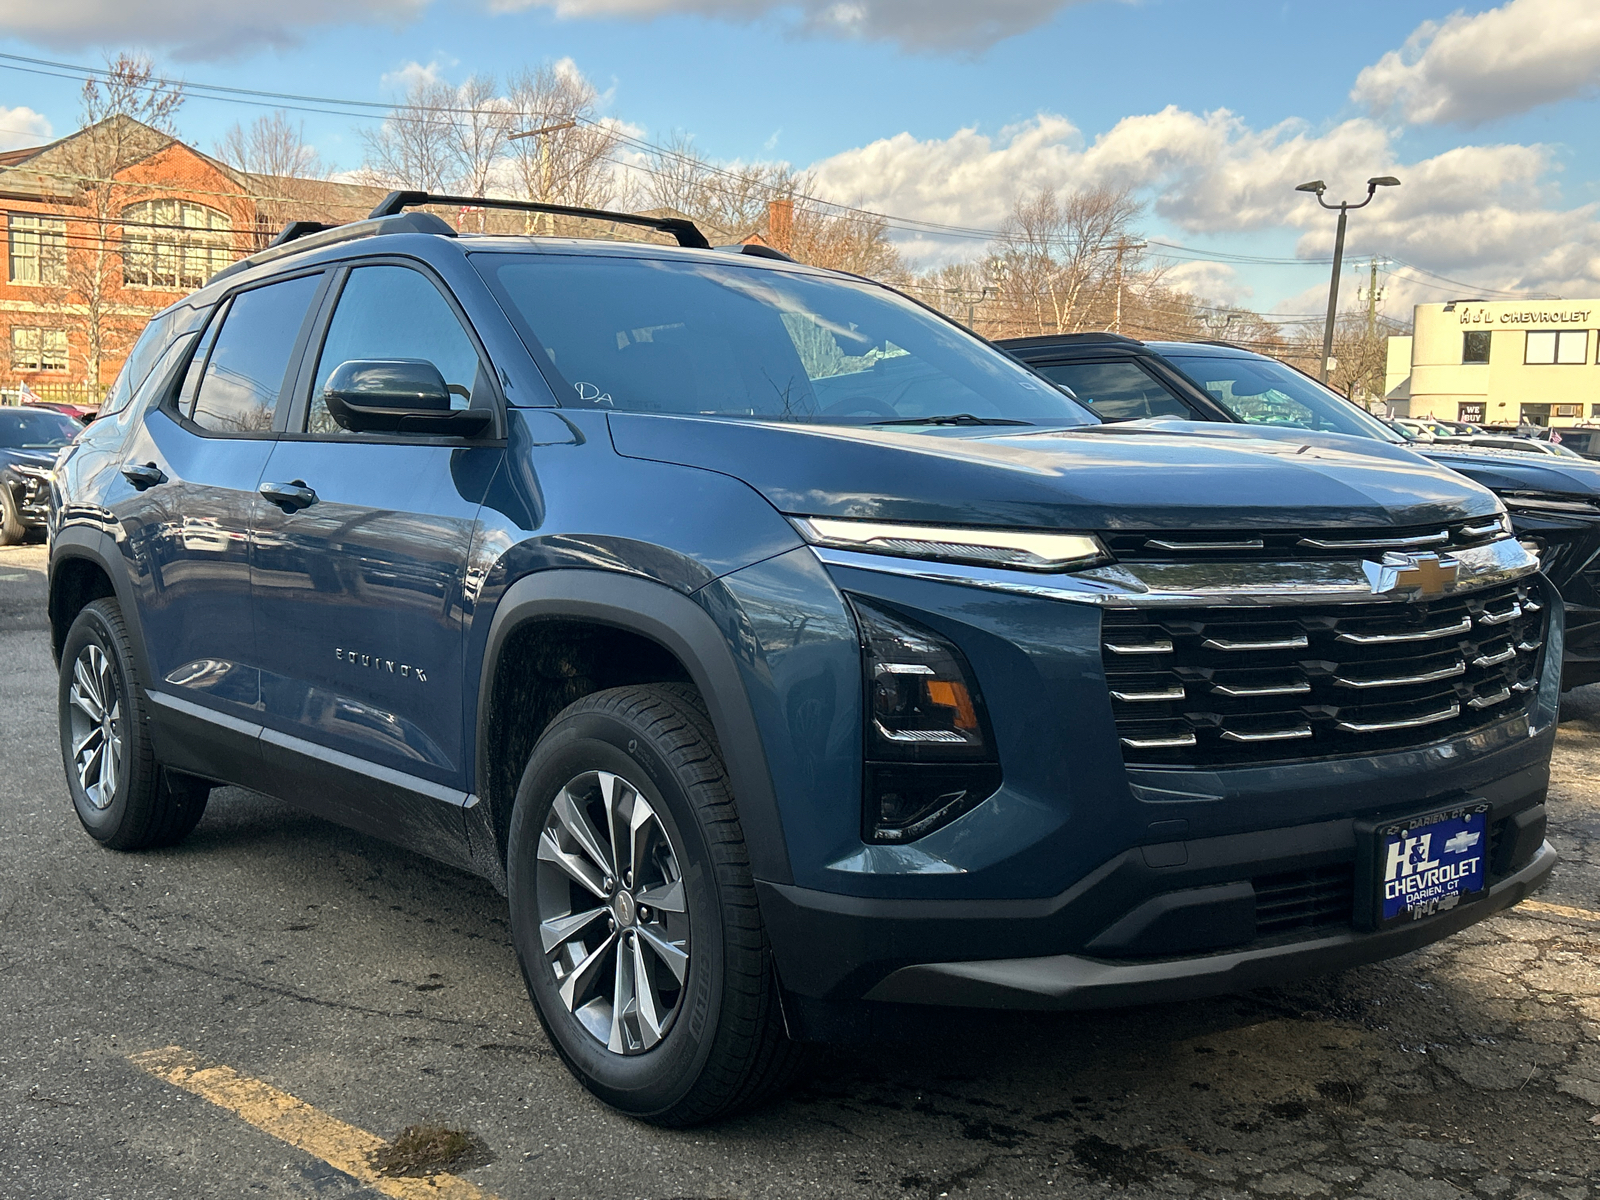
(100, 548)
(687, 631)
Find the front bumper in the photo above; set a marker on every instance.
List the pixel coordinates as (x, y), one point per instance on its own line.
(1067, 981)
(1157, 922)
(32, 498)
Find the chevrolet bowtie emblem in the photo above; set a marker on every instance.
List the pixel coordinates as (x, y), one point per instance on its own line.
(1426, 574)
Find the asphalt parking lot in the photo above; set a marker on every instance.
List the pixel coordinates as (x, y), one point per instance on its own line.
(162, 1011)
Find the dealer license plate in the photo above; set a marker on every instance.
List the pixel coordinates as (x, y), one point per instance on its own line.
(1429, 864)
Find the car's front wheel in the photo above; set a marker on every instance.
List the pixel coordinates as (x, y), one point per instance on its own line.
(634, 913)
(123, 797)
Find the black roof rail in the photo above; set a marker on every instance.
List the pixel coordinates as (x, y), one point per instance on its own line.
(298, 229)
(308, 235)
(679, 227)
(756, 250)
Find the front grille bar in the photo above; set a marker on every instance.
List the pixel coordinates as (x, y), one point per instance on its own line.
(1160, 647)
(1267, 735)
(1489, 701)
(1171, 693)
(1403, 543)
(1297, 642)
(1160, 743)
(1247, 544)
(1457, 668)
(1464, 625)
(1298, 688)
(1500, 618)
(1433, 718)
(1494, 660)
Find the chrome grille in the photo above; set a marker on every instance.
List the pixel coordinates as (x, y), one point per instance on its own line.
(1283, 545)
(1239, 685)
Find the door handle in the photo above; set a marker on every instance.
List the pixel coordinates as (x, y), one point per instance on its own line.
(291, 497)
(143, 475)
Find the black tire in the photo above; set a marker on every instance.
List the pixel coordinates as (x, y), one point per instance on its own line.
(725, 1048)
(12, 530)
(130, 803)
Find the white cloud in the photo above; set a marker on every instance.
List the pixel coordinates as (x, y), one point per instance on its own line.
(1471, 69)
(21, 126)
(1216, 282)
(1490, 213)
(192, 29)
(912, 24)
(410, 75)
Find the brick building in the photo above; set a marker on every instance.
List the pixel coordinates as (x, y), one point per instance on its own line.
(112, 223)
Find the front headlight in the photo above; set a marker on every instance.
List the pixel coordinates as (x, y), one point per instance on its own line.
(1017, 549)
(32, 472)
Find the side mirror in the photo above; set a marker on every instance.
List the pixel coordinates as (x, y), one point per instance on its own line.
(397, 395)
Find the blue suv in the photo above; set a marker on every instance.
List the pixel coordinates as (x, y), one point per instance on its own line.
(791, 658)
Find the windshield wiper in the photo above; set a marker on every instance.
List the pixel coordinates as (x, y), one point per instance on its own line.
(951, 419)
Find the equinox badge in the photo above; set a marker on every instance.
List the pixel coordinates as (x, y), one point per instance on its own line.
(1426, 574)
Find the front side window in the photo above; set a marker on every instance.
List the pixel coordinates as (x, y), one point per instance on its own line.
(34, 349)
(246, 369)
(1475, 346)
(38, 249)
(1117, 391)
(174, 244)
(1259, 391)
(738, 340)
(395, 312)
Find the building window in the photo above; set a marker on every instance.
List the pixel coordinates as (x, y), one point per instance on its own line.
(1569, 410)
(174, 244)
(38, 349)
(38, 248)
(1569, 346)
(1472, 414)
(1475, 347)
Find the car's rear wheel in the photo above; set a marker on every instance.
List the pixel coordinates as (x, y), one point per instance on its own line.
(634, 913)
(123, 797)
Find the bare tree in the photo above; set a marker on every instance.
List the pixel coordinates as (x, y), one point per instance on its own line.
(418, 145)
(271, 145)
(570, 162)
(1057, 260)
(481, 123)
(127, 116)
(285, 168)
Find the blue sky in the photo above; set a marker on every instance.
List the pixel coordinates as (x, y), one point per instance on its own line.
(947, 110)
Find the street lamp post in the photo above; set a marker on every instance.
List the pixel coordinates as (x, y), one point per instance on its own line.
(1316, 187)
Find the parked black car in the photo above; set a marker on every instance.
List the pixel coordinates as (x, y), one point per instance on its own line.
(30, 439)
(786, 653)
(1554, 500)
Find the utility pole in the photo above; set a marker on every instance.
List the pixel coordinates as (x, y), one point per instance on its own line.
(1317, 187)
(543, 133)
(1123, 246)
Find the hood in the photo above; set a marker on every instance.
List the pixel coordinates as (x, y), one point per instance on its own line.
(1512, 471)
(27, 458)
(1103, 477)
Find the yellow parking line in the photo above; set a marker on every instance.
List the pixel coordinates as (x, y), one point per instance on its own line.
(294, 1121)
(1559, 910)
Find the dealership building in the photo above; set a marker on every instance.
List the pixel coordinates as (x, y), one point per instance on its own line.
(1501, 363)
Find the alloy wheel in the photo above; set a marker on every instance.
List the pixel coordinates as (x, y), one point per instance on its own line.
(613, 915)
(95, 700)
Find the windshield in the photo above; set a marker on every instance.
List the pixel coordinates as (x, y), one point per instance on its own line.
(737, 340)
(1259, 391)
(36, 429)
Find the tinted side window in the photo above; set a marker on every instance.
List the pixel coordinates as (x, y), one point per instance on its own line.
(245, 373)
(395, 312)
(1117, 391)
